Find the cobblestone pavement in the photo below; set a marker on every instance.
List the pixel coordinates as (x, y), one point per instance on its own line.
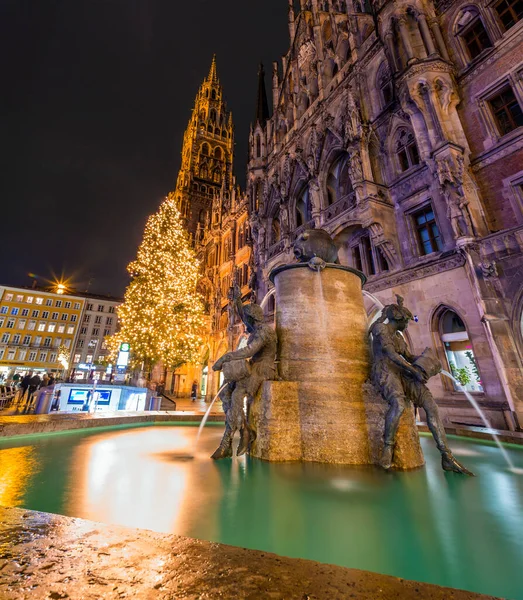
(49, 556)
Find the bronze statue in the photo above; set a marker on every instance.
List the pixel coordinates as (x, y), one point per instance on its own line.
(401, 378)
(245, 370)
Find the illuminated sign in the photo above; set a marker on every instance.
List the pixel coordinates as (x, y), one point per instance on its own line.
(83, 396)
(123, 359)
(125, 347)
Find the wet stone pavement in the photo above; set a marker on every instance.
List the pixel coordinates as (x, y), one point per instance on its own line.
(53, 557)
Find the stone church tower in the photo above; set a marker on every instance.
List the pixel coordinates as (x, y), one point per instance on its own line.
(207, 155)
(216, 216)
(397, 126)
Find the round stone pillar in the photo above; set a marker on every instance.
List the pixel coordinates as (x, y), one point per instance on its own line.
(322, 329)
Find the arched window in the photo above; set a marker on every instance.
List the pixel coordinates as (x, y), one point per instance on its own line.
(258, 195)
(406, 149)
(384, 84)
(338, 181)
(458, 350)
(213, 95)
(204, 189)
(275, 230)
(241, 236)
(303, 211)
(218, 153)
(201, 217)
(213, 115)
(258, 146)
(205, 149)
(472, 33)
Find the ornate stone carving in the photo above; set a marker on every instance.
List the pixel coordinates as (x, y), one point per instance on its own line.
(449, 171)
(489, 269)
(352, 123)
(417, 272)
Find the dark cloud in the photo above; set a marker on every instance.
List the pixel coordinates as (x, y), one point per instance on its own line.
(96, 96)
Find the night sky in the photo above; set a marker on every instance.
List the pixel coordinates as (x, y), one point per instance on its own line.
(96, 95)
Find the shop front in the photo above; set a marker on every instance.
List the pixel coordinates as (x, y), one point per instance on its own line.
(77, 397)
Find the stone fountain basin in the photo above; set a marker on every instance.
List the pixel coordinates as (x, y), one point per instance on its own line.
(421, 525)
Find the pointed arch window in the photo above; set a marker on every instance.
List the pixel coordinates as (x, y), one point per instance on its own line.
(218, 153)
(213, 95)
(338, 181)
(205, 149)
(275, 230)
(458, 351)
(406, 149)
(258, 145)
(385, 85)
(303, 211)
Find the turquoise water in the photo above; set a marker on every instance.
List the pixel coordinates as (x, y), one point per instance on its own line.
(424, 525)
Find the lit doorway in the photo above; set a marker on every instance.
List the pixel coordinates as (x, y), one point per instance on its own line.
(204, 381)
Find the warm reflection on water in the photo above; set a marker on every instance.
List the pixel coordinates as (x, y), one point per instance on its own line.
(425, 525)
(16, 467)
(141, 478)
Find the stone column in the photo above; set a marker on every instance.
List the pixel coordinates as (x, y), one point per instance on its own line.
(389, 41)
(426, 35)
(405, 37)
(436, 30)
(322, 329)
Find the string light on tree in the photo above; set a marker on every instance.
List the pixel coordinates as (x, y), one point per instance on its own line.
(162, 314)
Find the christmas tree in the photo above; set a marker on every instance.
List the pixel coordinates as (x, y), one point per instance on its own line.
(162, 314)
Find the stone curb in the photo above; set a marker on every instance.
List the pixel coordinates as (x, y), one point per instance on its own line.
(50, 556)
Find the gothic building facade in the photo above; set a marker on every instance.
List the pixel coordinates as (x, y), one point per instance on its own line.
(397, 126)
(216, 216)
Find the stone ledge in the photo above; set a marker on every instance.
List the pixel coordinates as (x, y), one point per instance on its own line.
(14, 426)
(481, 433)
(49, 556)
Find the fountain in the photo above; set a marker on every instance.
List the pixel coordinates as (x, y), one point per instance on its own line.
(321, 409)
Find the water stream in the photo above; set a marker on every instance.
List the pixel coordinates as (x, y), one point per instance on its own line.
(483, 417)
(206, 416)
(377, 302)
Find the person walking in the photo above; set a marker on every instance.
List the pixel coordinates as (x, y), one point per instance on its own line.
(34, 384)
(194, 391)
(24, 386)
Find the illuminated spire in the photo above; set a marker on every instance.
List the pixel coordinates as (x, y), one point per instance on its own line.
(213, 72)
